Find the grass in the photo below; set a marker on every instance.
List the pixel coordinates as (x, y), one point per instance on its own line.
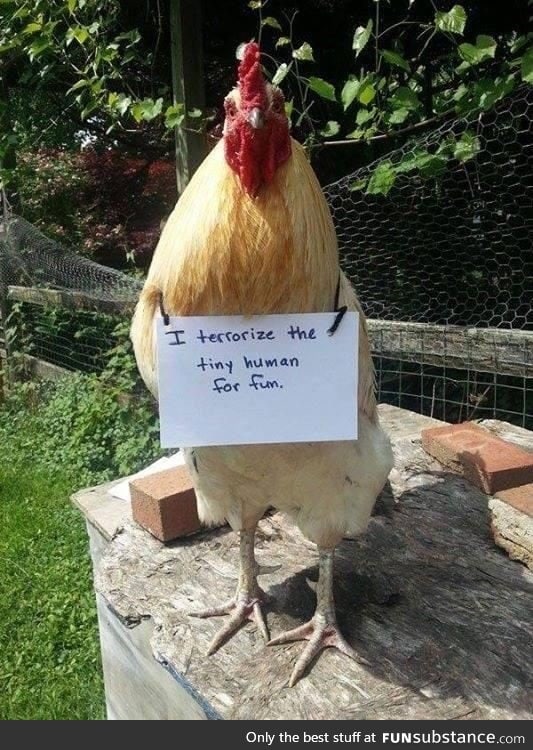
(55, 438)
(49, 652)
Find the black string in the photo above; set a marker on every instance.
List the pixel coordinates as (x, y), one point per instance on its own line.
(341, 311)
(164, 314)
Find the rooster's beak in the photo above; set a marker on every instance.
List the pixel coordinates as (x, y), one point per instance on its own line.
(256, 118)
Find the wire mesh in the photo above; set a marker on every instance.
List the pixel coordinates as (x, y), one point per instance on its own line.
(74, 331)
(441, 261)
(29, 258)
(449, 246)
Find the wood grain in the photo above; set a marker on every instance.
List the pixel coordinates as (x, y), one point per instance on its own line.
(442, 615)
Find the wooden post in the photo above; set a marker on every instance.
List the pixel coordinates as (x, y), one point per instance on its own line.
(187, 82)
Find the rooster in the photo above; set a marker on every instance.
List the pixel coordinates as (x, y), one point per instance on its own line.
(252, 234)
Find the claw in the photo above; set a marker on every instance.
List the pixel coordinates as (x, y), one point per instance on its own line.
(241, 610)
(320, 635)
(222, 609)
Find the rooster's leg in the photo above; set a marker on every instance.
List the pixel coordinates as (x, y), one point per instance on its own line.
(246, 604)
(322, 631)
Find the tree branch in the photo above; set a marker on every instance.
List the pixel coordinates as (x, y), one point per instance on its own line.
(392, 134)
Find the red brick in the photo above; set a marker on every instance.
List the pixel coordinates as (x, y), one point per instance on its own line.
(520, 498)
(489, 462)
(165, 503)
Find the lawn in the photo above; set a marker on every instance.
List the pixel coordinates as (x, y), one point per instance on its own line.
(57, 437)
(49, 653)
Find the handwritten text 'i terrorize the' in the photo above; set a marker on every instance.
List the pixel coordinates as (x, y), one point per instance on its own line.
(257, 380)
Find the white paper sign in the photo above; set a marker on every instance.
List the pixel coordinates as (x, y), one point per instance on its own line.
(228, 380)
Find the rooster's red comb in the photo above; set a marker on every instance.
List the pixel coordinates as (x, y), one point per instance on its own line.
(251, 81)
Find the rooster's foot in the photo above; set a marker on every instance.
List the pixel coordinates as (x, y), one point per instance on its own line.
(241, 609)
(321, 634)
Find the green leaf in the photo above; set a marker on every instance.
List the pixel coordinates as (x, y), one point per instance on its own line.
(38, 47)
(519, 42)
(357, 134)
(349, 92)
(283, 41)
(484, 48)
(431, 165)
(358, 185)
(137, 112)
(364, 115)
(89, 109)
(72, 5)
(331, 128)
(488, 91)
(123, 104)
(174, 116)
(408, 162)
(393, 58)
(152, 109)
(33, 28)
(79, 85)
(398, 116)
(280, 74)
(466, 147)
(454, 20)
(406, 98)
(271, 21)
(382, 179)
(361, 37)
(366, 93)
(255, 4)
(322, 88)
(526, 67)
(304, 52)
(289, 106)
(78, 33)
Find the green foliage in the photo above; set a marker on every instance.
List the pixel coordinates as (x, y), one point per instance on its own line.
(527, 66)
(362, 37)
(484, 48)
(330, 129)
(304, 52)
(56, 438)
(399, 86)
(382, 179)
(88, 427)
(454, 20)
(322, 88)
(84, 61)
(82, 41)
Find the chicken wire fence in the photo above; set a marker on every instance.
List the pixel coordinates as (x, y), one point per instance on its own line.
(59, 308)
(436, 237)
(443, 264)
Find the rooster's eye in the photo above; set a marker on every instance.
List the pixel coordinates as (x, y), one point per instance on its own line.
(231, 109)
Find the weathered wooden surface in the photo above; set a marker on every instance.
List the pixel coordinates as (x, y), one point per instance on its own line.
(71, 300)
(442, 615)
(512, 530)
(106, 513)
(40, 368)
(508, 352)
(187, 84)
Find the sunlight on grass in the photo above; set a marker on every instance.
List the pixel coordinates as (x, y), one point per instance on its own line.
(49, 663)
